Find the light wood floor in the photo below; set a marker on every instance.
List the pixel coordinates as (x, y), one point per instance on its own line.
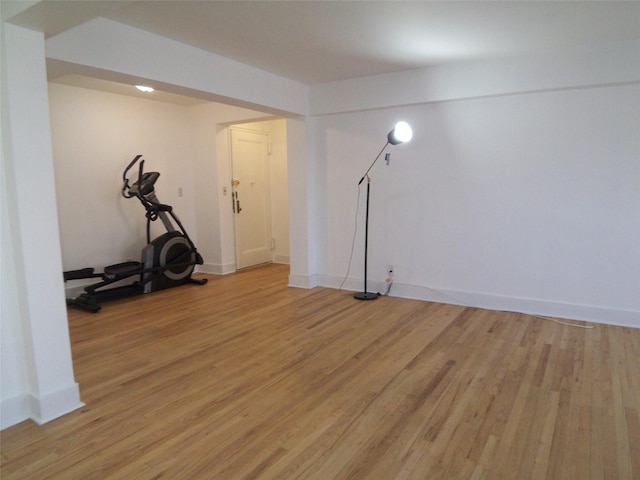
(245, 378)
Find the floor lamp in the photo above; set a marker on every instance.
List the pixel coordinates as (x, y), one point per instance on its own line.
(401, 133)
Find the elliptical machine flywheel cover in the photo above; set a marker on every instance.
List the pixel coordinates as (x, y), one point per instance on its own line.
(172, 248)
(177, 251)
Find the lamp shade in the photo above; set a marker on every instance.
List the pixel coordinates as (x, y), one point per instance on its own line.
(401, 133)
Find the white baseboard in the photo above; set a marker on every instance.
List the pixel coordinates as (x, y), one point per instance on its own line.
(303, 281)
(14, 410)
(74, 288)
(55, 404)
(42, 409)
(569, 311)
(216, 268)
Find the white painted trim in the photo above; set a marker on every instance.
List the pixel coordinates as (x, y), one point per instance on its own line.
(303, 281)
(43, 409)
(588, 313)
(180, 68)
(216, 268)
(617, 64)
(14, 410)
(55, 404)
(282, 259)
(73, 288)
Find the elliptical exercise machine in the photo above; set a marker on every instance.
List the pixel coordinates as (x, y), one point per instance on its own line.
(167, 261)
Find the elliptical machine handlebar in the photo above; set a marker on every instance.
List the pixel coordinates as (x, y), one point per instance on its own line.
(143, 187)
(143, 190)
(126, 187)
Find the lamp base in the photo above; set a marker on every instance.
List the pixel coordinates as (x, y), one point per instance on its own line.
(365, 295)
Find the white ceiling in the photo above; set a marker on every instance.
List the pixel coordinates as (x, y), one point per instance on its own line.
(322, 41)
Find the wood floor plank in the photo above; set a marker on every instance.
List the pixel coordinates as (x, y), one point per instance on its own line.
(247, 378)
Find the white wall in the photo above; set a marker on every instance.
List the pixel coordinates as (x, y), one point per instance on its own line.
(519, 191)
(303, 196)
(14, 377)
(215, 237)
(213, 140)
(280, 192)
(525, 201)
(96, 134)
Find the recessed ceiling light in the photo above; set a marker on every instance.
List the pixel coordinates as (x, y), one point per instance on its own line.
(142, 88)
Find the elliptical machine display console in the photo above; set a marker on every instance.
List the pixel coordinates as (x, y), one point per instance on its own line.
(167, 261)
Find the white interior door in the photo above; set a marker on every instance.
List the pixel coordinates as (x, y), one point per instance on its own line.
(251, 195)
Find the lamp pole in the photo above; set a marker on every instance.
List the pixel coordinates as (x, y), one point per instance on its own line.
(400, 134)
(365, 295)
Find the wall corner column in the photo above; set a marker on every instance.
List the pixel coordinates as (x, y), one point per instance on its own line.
(38, 321)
